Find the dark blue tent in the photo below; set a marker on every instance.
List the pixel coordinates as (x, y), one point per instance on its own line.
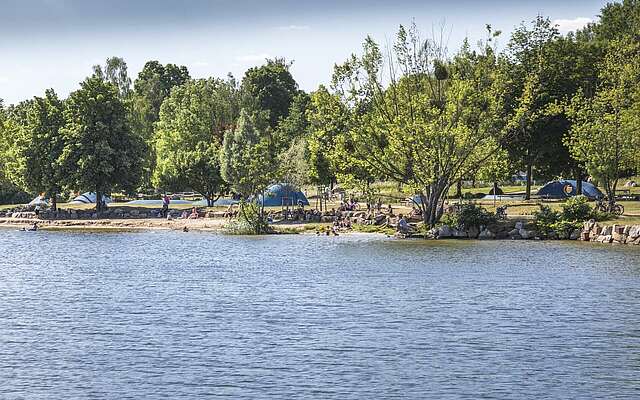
(567, 188)
(282, 195)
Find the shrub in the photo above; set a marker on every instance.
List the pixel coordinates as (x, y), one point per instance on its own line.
(577, 209)
(544, 219)
(249, 222)
(11, 194)
(467, 215)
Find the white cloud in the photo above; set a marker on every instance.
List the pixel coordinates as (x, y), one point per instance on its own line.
(4, 79)
(253, 57)
(199, 64)
(571, 25)
(294, 28)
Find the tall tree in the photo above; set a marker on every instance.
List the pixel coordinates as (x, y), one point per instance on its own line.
(273, 88)
(101, 153)
(115, 72)
(431, 124)
(604, 136)
(152, 86)
(189, 135)
(246, 161)
(39, 144)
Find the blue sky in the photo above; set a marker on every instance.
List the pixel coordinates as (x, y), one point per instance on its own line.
(54, 43)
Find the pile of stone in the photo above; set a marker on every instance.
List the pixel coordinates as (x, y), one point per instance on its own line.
(619, 234)
(514, 230)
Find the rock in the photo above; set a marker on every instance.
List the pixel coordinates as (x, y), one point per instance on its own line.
(444, 232)
(634, 231)
(584, 236)
(486, 234)
(514, 232)
(459, 233)
(626, 229)
(575, 234)
(637, 241)
(618, 237)
(596, 230)
(515, 237)
(525, 234)
(607, 230)
(473, 232)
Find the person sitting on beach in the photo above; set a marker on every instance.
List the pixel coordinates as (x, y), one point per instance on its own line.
(184, 215)
(228, 212)
(403, 225)
(415, 212)
(194, 214)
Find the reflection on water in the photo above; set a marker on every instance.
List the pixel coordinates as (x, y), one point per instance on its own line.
(193, 315)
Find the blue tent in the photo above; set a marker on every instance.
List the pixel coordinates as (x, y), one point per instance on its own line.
(567, 188)
(282, 195)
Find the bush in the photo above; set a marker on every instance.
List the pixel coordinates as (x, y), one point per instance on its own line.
(465, 216)
(11, 194)
(249, 222)
(577, 209)
(545, 219)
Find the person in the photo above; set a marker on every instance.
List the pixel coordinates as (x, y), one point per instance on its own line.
(194, 214)
(37, 210)
(229, 212)
(34, 227)
(184, 215)
(390, 209)
(185, 229)
(403, 225)
(165, 205)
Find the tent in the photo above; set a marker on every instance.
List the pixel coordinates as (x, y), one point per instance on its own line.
(39, 201)
(89, 198)
(562, 189)
(282, 194)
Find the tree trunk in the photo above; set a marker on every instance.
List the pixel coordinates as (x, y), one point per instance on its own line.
(459, 189)
(54, 202)
(579, 182)
(527, 195)
(209, 200)
(98, 202)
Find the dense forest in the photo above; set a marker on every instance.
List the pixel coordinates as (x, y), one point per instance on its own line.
(548, 104)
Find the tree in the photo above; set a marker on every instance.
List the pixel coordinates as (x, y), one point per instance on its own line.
(189, 136)
(101, 153)
(246, 162)
(604, 136)
(273, 88)
(431, 125)
(115, 72)
(38, 146)
(152, 86)
(295, 125)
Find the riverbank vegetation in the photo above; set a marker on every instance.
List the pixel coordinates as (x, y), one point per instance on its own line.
(409, 114)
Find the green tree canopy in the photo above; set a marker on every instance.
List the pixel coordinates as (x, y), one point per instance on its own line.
(273, 88)
(101, 153)
(247, 164)
(189, 135)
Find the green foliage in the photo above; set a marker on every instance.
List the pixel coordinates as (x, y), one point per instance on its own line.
(246, 162)
(604, 135)
(115, 72)
(576, 209)
(250, 221)
(468, 215)
(422, 130)
(545, 219)
(101, 153)
(188, 136)
(11, 194)
(151, 88)
(38, 145)
(272, 87)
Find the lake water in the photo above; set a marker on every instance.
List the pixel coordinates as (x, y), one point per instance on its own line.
(196, 315)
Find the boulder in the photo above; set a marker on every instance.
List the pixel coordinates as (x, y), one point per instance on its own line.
(459, 233)
(618, 237)
(444, 232)
(575, 234)
(637, 241)
(473, 232)
(607, 230)
(584, 236)
(486, 234)
(634, 231)
(626, 229)
(525, 234)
